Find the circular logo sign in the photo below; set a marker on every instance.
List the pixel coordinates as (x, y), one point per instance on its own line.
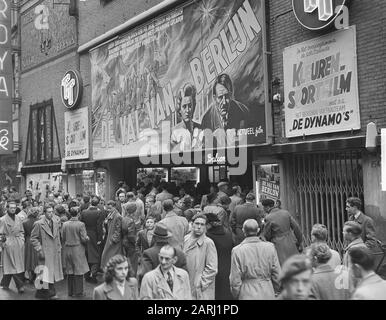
(316, 14)
(71, 89)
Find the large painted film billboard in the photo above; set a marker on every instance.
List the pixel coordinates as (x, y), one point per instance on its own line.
(166, 83)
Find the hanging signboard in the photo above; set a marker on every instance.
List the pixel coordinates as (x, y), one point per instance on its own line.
(321, 85)
(317, 14)
(198, 67)
(76, 134)
(6, 74)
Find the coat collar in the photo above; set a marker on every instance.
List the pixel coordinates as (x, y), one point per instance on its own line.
(371, 278)
(356, 242)
(170, 214)
(163, 285)
(47, 229)
(254, 239)
(193, 241)
(112, 292)
(217, 230)
(323, 268)
(9, 221)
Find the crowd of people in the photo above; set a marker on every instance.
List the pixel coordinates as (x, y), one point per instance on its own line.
(160, 242)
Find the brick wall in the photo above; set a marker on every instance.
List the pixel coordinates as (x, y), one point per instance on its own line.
(368, 16)
(43, 83)
(96, 19)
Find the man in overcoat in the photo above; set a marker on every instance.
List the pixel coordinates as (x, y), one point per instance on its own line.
(93, 219)
(353, 207)
(74, 238)
(113, 233)
(243, 212)
(150, 259)
(177, 225)
(222, 239)
(166, 282)
(12, 236)
(255, 266)
(278, 228)
(201, 258)
(370, 286)
(45, 238)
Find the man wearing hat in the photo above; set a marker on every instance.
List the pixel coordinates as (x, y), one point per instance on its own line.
(166, 281)
(296, 275)
(139, 213)
(201, 260)
(222, 239)
(223, 187)
(255, 266)
(150, 256)
(278, 228)
(243, 212)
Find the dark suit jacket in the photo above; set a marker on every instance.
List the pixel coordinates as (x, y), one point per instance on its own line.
(150, 259)
(241, 213)
(142, 243)
(368, 230)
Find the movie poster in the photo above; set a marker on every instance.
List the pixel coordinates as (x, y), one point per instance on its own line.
(321, 85)
(197, 68)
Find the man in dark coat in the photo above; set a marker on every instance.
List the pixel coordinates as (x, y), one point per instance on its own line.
(92, 218)
(74, 237)
(243, 212)
(222, 239)
(278, 228)
(353, 207)
(225, 112)
(85, 203)
(150, 258)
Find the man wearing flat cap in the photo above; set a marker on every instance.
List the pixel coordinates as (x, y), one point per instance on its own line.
(296, 275)
(201, 258)
(278, 228)
(223, 187)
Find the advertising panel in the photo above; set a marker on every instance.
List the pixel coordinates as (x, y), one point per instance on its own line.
(321, 85)
(195, 69)
(6, 74)
(76, 134)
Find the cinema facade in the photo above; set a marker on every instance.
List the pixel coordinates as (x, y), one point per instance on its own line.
(306, 91)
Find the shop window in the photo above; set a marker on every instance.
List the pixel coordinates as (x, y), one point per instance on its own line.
(42, 138)
(184, 175)
(151, 175)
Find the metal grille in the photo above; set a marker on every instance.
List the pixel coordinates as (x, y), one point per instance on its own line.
(322, 183)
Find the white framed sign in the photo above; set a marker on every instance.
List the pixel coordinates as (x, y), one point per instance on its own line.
(76, 134)
(321, 85)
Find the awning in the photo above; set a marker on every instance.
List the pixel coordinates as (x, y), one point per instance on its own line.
(312, 146)
(80, 165)
(41, 168)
